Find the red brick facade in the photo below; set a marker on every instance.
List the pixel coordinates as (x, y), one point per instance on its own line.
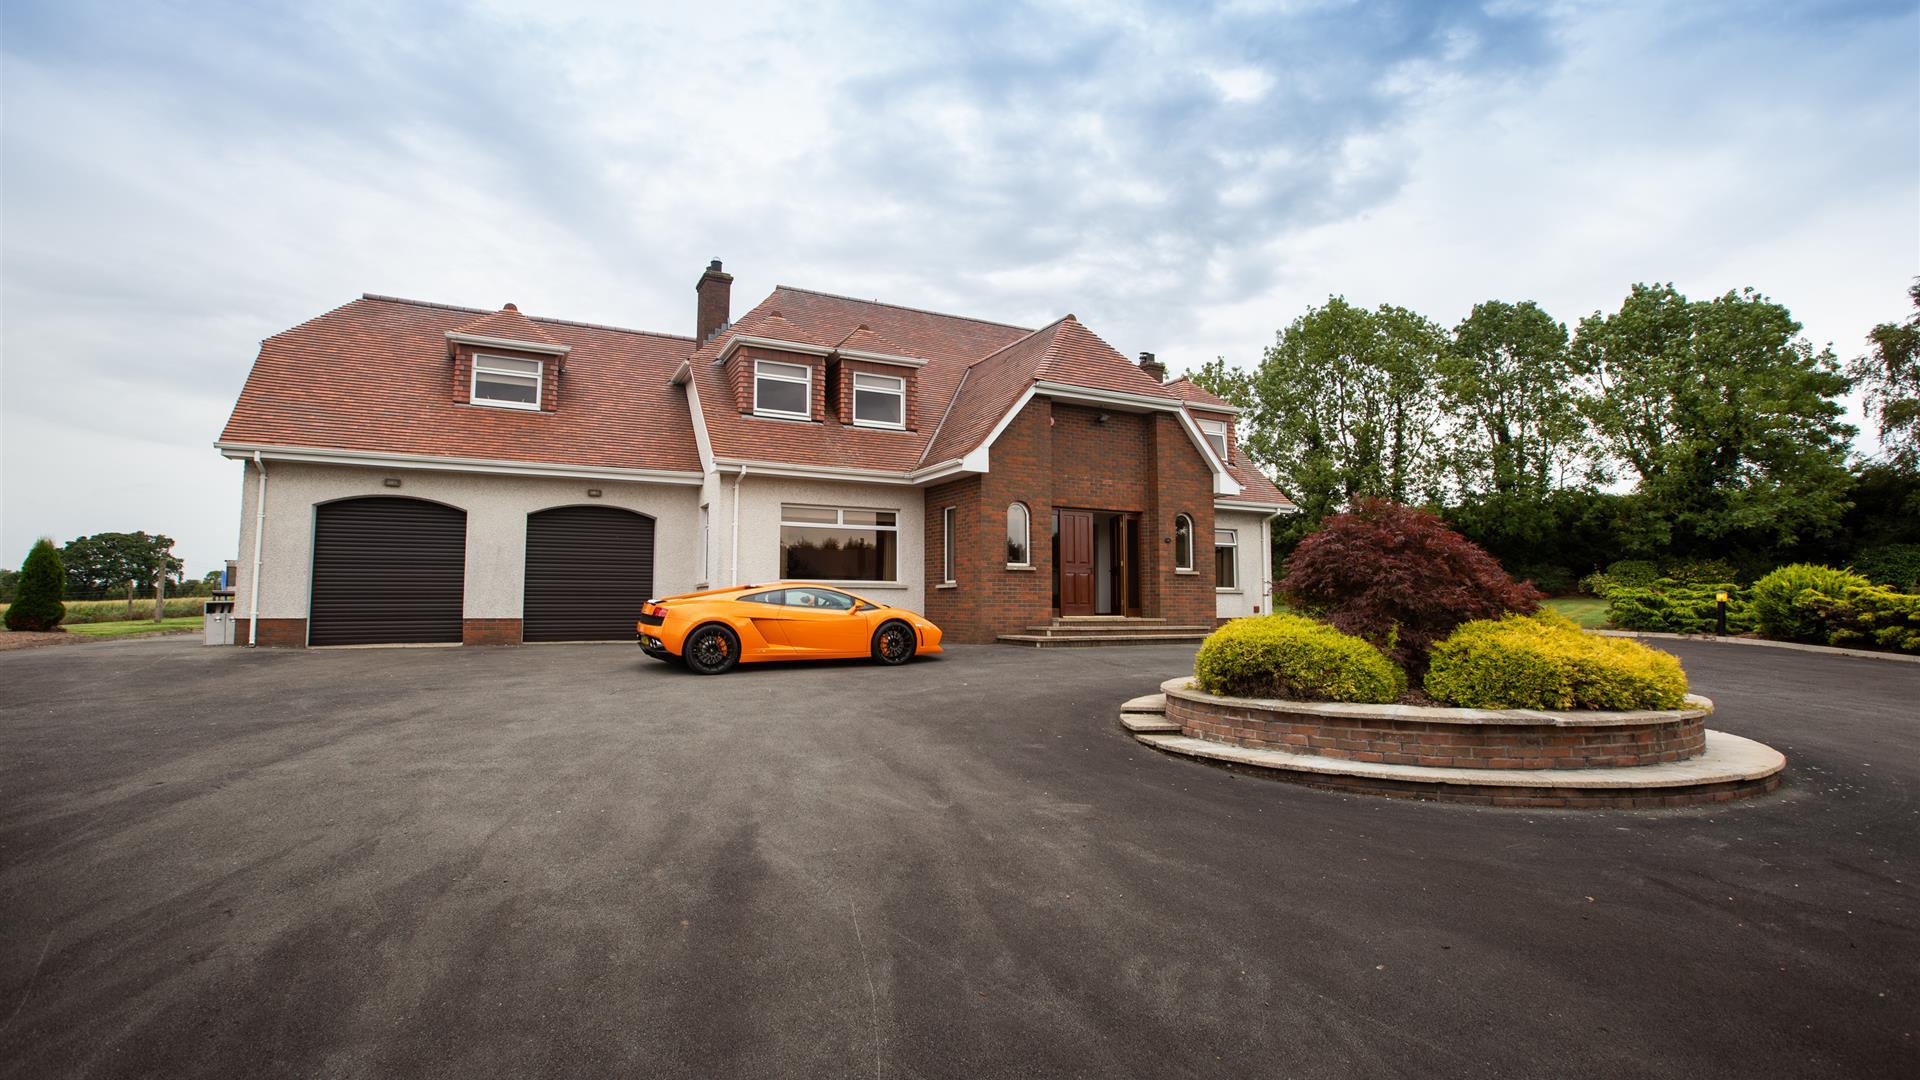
(840, 375)
(490, 631)
(740, 376)
(1063, 456)
(274, 633)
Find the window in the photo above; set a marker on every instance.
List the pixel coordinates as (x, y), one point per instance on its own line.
(505, 382)
(947, 517)
(1216, 433)
(819, 600)
(1017, 540)
(1183, 543)
(782, 390)
(834, 544)
(1226, 565)
(879, 400)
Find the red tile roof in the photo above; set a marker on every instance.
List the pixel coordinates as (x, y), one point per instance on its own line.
(1255, 487)
(374, 375)
(1187, 390)
(508, 325)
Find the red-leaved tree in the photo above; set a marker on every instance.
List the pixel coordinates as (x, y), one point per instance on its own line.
(1400, 578)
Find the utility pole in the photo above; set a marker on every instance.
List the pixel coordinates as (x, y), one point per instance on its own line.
(130, 586)
(160, 596)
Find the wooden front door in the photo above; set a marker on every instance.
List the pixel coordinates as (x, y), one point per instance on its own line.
(1076, 562)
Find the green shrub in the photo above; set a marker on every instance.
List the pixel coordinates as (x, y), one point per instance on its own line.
(1894, 565)
(1776, 608)
(1865, 616)
(1700, 571)
(1667, 606)
(1546, 662)
(1635, 572)
(36, 596)
(1296, 658)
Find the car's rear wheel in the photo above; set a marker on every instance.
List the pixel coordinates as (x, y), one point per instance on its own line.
(711, 650)
(893, 643)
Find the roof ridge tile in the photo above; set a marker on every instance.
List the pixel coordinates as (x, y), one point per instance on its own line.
(898, 307)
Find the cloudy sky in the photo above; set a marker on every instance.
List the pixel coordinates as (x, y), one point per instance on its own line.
(178, 181)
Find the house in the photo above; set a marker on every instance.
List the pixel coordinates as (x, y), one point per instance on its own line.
(424, 473)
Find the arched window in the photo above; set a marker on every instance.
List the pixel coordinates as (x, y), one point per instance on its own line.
(1019, 548)
(1183, 543)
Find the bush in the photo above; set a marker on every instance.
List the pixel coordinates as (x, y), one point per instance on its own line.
(36, 596)
(1549, 579)
(1296, 658)
(1634, 572)
(1399, 578)
(1776, 608)
(1865, 616)
(1701, 571)
(1894, 565)
(1667, 606)
(1546, 662)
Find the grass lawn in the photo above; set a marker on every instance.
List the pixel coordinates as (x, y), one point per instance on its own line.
(136, 627)
(1589, 612)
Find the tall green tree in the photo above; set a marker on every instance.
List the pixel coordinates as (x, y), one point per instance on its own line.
(1508, 382)
(36, 598)
(105, 562)
(1729, 419)
(1345, 408)
(1891, 374)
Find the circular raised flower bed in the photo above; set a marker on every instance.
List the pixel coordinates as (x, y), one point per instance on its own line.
(1501, 757)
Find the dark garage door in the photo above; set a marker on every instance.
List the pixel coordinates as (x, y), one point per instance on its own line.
(387, 570)
(589, 568)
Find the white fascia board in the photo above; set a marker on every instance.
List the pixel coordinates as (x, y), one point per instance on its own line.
(944, 469)
(1230, 410)
(684, 377)
(312, 455)
(738, 340)
(815, 472)
(1269, 510)
(880, 358)
(977, 459)
(508, 343)
(1117, 398)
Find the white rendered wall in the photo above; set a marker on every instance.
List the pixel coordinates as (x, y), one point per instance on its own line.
(759, 530)
(1254, 560)
(497, 509)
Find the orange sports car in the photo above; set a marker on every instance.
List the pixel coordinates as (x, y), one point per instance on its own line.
(712, 631)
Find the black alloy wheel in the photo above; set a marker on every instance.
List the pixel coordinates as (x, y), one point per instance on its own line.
(894, 643)
(711, 650)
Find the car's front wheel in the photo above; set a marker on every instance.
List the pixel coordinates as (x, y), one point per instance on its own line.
(893, 643)
(711, 650)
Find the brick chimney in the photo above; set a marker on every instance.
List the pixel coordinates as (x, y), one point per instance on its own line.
(1151, 366)
(714, 311)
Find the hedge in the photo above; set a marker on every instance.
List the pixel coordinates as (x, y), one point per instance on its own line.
(1869, 616)
(36, 597)
(1546, 662)
(1776, 607)
(1295, 658)
(1667, 606)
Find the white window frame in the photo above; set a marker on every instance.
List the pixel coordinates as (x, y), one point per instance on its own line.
(899, 390)
(840, 522)
(1026, 529)
(539, 381)
(948, 568)
(1213, 429)
(804, 379)
(1233, 561)
(1178, 566)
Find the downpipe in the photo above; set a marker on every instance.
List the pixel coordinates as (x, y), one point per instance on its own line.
(259, 527)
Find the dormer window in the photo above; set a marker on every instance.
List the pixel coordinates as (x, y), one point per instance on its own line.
(879, 401)
(505, 382)
(782, 390)
(1216, 433)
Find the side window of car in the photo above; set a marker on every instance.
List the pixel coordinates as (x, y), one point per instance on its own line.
(819, 599)
(774, 596)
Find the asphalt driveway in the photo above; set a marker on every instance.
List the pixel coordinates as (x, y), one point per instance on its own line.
(572, 861)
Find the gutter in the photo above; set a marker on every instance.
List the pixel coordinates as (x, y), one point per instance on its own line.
(259, 528)
(741, 475)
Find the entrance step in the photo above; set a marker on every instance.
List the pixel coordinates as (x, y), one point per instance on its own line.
(1117, 628)
(1148, 716)
(1072, 639)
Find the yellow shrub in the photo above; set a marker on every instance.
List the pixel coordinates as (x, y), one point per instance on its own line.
(1294, 657)
(1529, 662)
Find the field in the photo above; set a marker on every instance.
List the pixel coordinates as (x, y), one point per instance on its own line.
(107, 611)
(1585, 610)
(124, 628)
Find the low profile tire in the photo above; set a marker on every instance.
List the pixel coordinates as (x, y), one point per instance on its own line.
(893, 643)
(711, 650)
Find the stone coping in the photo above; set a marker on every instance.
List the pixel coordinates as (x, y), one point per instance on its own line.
(1728, 759)
(1697, 708)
